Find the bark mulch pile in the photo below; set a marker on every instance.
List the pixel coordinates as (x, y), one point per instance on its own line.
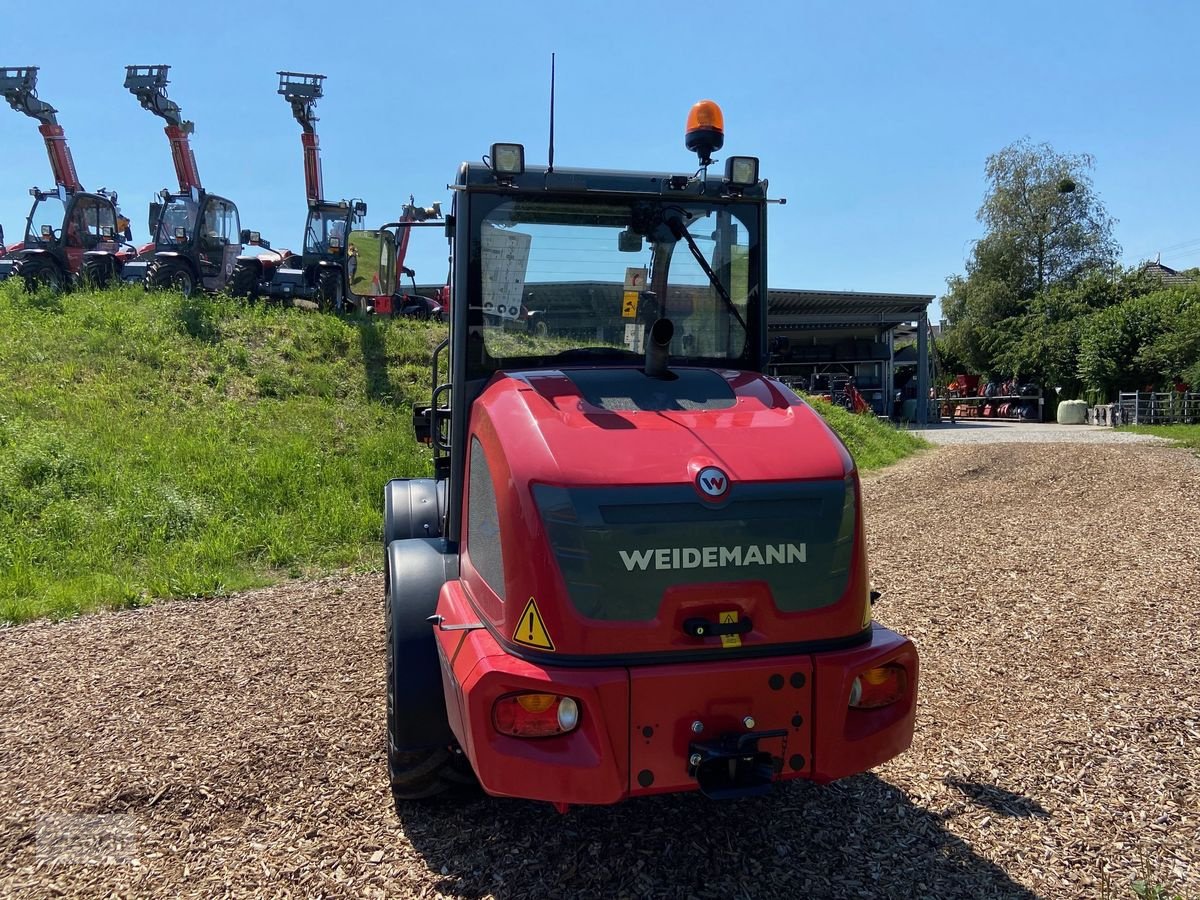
(236, 747)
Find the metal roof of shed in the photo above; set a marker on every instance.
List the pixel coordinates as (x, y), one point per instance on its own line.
(832, 309)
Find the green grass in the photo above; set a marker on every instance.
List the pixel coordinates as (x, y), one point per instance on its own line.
(873, 443)
(1185, 435)
(152, 446)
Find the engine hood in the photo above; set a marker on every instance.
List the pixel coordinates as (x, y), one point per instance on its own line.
(618, 426)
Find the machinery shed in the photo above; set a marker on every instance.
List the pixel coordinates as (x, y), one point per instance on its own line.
(819, 339)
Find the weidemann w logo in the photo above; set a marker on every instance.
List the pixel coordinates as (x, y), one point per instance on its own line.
(713, 557)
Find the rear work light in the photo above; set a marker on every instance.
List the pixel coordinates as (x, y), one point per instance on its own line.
(535, 715)
(881, 686)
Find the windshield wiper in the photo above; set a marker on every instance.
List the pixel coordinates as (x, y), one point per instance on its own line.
(681, 231)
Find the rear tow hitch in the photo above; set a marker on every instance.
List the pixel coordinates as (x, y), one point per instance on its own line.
(733, 766)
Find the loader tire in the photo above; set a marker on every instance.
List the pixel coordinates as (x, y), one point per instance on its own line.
(329, 290)
(423, 760)
(98, 271)
(40, 271)
(412, 508)
(170, 274)
(243, 280)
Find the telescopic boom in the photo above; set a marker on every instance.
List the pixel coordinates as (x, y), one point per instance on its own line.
(19, 88)
(149, 85)
(303, 91)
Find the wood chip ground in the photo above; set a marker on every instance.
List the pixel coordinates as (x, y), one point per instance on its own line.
(236, 747)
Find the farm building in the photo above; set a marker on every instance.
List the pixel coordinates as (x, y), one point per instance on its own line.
(819, 339)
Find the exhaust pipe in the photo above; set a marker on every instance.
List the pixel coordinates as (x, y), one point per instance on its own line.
(658, 343)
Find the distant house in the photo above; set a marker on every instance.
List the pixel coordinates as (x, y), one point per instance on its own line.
(1168, 275)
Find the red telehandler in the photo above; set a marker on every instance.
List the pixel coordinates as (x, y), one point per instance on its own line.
(70, 234)
(197, 236)
(318, 275)
(640, 566)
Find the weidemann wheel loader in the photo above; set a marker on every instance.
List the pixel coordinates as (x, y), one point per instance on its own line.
(640, 565)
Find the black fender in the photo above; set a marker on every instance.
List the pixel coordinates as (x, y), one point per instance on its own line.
(415, 571)
(413, 508)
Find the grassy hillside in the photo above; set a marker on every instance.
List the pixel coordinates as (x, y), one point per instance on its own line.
(153, 446)
(872, 443)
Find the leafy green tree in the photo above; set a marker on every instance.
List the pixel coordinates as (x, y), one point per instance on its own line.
(1046, 226)
(1147, 342)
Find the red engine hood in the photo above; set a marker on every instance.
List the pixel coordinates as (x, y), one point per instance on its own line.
(567, 427)
(642, 442)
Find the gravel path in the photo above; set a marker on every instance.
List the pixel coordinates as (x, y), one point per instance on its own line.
(1008, 431)
(235, 747)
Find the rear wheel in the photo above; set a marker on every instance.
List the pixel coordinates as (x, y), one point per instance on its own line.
(170, 274)
(40, 271)
(329, 289)
(98, 271)
(243, 280)
(423, 761)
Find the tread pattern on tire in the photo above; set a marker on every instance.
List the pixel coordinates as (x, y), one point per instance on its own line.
(243, 280)
(28, 269)
(160, 275)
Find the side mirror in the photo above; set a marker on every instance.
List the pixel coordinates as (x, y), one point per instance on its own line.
(155, 210)
(629, 242)
(371, 263)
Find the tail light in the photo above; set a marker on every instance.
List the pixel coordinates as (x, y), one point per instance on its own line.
(535, 715)
(878, 687)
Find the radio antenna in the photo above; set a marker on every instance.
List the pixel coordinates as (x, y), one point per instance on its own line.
(550, 167)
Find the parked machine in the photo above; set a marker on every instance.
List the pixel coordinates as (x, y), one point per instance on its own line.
(640, 565)
(70, 234)
(196, 235)
(319, 273)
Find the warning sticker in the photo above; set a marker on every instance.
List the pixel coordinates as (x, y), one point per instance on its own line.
(531, 630)
(729, 640)
(629, 301)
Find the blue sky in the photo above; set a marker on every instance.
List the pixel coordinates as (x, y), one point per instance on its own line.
(872, 119)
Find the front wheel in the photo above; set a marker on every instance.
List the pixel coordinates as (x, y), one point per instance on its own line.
(40, 271)
(169, 275)
(243, 280)
(329, 289)
(98, 271)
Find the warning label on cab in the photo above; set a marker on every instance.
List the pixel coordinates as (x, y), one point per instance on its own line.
(531, 630)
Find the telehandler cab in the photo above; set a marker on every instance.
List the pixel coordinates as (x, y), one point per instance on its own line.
(640, 564)
(70, 233)
(196, 235)
(319, 274)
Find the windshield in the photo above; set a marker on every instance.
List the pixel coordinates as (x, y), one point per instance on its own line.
(47, 212)
(324, 226)
(179, 212)
(564, 280)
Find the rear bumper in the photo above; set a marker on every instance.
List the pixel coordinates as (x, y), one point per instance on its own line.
(638, 730)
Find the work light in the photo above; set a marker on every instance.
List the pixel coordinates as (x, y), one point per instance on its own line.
(508, 159)
(741, 171)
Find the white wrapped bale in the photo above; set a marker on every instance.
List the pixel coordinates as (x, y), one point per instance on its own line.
(1072, 412)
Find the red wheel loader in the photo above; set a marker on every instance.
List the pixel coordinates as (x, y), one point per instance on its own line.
(71, 234)
(197, 236)
(317, 276)
(640, 565)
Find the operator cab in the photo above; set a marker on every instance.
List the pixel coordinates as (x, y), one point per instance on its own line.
(327, 231)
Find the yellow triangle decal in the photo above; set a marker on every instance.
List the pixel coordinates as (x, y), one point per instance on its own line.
(531, 630)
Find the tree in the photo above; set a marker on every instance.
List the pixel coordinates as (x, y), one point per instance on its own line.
(1045, 226)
